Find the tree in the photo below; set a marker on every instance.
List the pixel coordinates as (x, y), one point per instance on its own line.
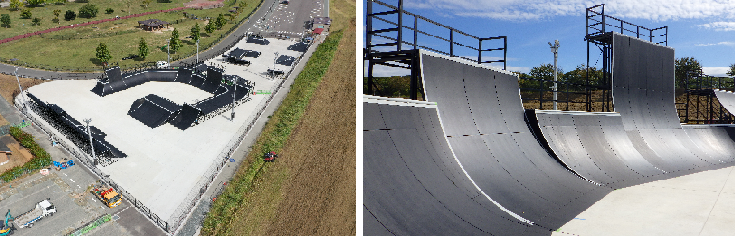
(210, 27)
(544, 71)
(36, 21)
(109, 10)
(57, 12)
(15, 4)
(88, 11)
(35, 3)
(175, 43)
(231, 18)
(26, 13)
(70, 15)
(5, 19)
(143, 48)
(220, 21)
(579, 76)
(102, 53)
(195, 32)
(686, 71)
(731, 70)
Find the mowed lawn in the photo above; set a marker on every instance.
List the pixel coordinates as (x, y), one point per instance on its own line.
(46, 13)
(74, 49)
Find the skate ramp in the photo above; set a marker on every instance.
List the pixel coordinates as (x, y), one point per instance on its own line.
(483, 118)
(727, 99)
(643, 93)
(414, 186)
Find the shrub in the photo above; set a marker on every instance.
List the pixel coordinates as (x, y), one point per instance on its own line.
(36, 21)
(41, 157)
(88, 11)
(109, 10)
(70, 15)
(26, 13)
(5, 19)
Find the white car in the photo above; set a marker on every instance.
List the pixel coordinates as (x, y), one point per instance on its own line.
(162, 64)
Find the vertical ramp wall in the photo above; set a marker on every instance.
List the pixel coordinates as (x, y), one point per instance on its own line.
(727, 99)
(643, 93)
(413, 184)
(483, 118)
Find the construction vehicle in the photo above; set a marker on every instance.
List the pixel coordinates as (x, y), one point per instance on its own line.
(7, 228)
(43, 208)
(270, 157)
(106, 194)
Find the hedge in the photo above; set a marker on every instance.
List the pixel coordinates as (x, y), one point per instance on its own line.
(40, 157)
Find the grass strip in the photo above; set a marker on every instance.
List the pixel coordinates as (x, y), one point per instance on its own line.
(40, 157)
(275, 134)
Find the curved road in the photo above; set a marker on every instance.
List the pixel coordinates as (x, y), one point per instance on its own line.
(266, 7)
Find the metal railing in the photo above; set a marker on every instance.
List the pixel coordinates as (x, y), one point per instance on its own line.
(600, 26)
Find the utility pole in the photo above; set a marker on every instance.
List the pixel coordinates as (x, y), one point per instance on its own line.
(555, 50)
(92, 148)
(25, 102)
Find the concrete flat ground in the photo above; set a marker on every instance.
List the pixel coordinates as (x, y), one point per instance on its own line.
(691, 205)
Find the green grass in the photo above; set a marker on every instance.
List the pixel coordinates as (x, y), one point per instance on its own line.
(273, 137)
(77, 46)
(40, 157)
(22, 26)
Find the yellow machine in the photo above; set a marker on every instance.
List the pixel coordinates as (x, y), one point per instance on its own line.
(107, 195)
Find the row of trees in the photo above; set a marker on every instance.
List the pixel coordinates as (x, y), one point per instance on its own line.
(86, 11)
(687, 72)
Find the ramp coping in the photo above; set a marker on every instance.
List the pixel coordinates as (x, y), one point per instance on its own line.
(463, 61)
(398, 101)
(633, 38)
(705, 126)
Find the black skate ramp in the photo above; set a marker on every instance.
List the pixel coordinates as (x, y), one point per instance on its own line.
(483, 118)
(643, 93)
(414, 186)
(185, 117)
(153, 111)
(595, 146)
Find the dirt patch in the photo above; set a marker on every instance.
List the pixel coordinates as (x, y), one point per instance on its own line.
(204, 4)
(18, 156)
(9, 86)
(319, 198)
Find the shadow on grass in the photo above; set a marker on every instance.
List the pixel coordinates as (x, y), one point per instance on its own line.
(96, 61)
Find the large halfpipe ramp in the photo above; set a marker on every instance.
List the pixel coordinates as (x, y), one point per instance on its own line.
(483, 118)
(413, 185)
(643, 92)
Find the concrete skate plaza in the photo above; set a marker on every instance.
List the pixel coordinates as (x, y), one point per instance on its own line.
(165, 163)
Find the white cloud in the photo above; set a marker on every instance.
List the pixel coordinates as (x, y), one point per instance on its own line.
(716, 71)
(656, 10)
(719, 43)
(720, 26)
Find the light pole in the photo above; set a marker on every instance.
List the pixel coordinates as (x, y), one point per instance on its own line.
(21, 90)
(197, 55)
(555, 50)
(276, 54)
(168, 52)
(92, 148)
(233, 106)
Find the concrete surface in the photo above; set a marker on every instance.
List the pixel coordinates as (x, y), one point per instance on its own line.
(691, 205)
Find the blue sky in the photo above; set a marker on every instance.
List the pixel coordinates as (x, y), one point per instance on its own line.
(697, 28)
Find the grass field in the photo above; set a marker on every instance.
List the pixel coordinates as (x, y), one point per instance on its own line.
(122, 38)
(311, 189)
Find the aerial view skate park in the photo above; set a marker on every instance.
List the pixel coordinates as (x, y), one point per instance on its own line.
(160, 136)
(467, 152)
